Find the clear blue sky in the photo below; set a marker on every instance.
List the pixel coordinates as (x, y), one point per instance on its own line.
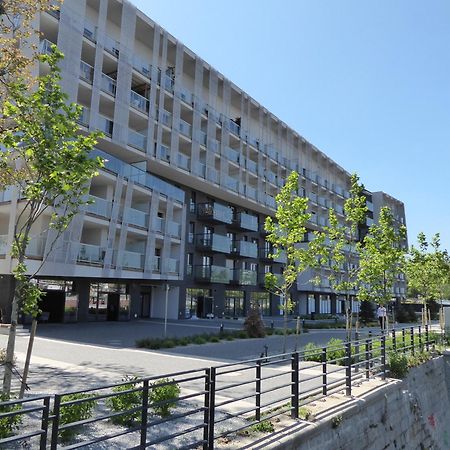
(367, 82)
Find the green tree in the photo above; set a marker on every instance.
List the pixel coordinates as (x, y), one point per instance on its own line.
(381, 259)
(286, 234)
(342, 245)
(48, 161)
(427, 270)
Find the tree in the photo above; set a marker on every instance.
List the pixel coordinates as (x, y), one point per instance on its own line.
(342, 245)
(254, 325)
(427, 270)
(18, 53)
(286, 234)
(48, 161)
(381, 259)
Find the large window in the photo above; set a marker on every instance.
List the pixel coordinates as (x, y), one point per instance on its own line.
(325, 304)
(263, 300)
(234, 304)
(311, 304)
(199, 302)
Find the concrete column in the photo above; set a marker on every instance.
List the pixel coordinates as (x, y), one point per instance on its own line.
(135, 301)
(83, 290)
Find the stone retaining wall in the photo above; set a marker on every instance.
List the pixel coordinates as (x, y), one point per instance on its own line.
(409, 414)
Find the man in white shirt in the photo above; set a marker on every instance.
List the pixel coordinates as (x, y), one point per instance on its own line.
(382, 315)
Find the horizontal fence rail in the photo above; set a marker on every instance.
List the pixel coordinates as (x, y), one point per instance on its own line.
(196, 408)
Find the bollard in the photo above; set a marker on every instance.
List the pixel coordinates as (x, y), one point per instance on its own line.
(271, 324)
(221, 329)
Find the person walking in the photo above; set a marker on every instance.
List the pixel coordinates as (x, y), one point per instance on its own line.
(382, 316)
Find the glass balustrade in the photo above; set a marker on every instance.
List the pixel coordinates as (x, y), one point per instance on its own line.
(163, 152)
(245, 277)
(84, 116)
(166, 118)
(250, 192)
(158, 225)
(4, 244)
(247, 221)
(45, 47)
(99, 206)
(36, 246)
(213, 274)
(247, 249)
(212, 175)
(183, 161)
(86, 72)
(90, 31)
(186, 96)
(234, 127)
(137, 140)
(185, 128)
(171, 265)
(6, 195)
(108, 85)
(142, 66)
(214, 145)
(174, 229)
(252, 166)
(231, 154)
(135, 217)
(168, 83)
(156, 263)
(214, 242)
(139, 102)
(111, 46)
(106, 125)
(130, 260)
(270, 201)
(91, 254)
(231, 183)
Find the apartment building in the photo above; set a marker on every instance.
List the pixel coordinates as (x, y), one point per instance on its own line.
(192, 168)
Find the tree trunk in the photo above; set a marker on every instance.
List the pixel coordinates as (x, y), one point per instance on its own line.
(28, 358)
(9, 360)
(285, 323)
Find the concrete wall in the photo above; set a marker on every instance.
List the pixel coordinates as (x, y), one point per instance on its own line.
(412, 414)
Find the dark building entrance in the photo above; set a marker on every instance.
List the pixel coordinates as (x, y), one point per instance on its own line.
(52, 306)
(112, 308)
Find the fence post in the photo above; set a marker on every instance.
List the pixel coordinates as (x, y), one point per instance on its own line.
(367, 358)
(427, 337)
(55, 425)
(394, 341)
(144, 413)
(294, 385)
(412, 340)
(44, 423)
(383, 357)
(348, 369)
(206, 411)
(212, 406)
(420, 339)
(258, 390)
(357, 351)
(404, 340)
(324, 371)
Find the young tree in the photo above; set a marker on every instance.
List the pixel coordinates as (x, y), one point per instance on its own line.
(427, 270)
(286, 234)
(18, 52)
(343, 246)
(381, 259)
(48, 161)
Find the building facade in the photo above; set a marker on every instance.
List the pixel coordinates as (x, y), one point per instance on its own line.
(192, 168)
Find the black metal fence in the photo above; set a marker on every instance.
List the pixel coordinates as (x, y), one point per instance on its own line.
(208, 404)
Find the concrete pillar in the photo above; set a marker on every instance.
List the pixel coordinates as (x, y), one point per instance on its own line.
(6, 289)
(83, 290)
(135, 301)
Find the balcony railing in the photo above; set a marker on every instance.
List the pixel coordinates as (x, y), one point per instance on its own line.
(186, 96)
(139, 102)
(212, 175)
(6, 195)
(108, 85)
(84, 117)
(213, 274)
(135, 217)
(130, 260)
(231, 183)
(137, 140)
(168, 83)
(46, 47)
(163, 152)
(90, 254)
(158, 225)
(156, 264)
(245, 248)
(270, 202)
(185, 128)
(106, 125)
(86, 72)
(250, 192)
(214, 145)
(142, 66)
(171, 265)
(246, 221)
(213, 242)
(245, 277)
(99, 207)
(231, 154)
(4, 244)
(183, 161)
(166, 118)
(90, 31)
(252, 166)
(234, 127)
(111, 46)
(174, 229)
(36, 247)
(215, 211)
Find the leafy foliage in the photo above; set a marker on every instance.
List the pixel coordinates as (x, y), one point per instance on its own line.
(381, 259)
(124, 402)
(253, 325)
(163, 396)
(74, 413)
(11, 423)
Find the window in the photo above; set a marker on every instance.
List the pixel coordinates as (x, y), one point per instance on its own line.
(325, 304)
(192, 202)
(263, 300)
(267, 268)
(191, 232)
(189, 263)
(234, 304)
(311, 304)
(198, 302)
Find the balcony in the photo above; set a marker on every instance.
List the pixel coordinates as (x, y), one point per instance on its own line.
(90, 254)
(202, 138)
(108, 85)
(111, 46)
(262, 279)
(142, 66)
(156, 264)
(185, 128)
(213, 242)
(270, 202)
(36, 247)
(137, 140)
(100, 207)
(163, 152)
(369, 206)
(171, 265)
(212, 175)
(215, 212)
(174, 229)
(106, 125)
(183, 161)
(250, 192)
(234, 127)
(84, 117)
(246, 221)
(45, 47)
(130, 260)
(251, 166)
(213, 145)
(139, 102)
(86, 72)
(231, 154)
(245, 249)
(186, 96)
(3, 244)
(231, 183)
(168, 83)
(158, 225)
(6, 195)
(166, 118)
(90, 31)
(270, 176)
(245, 277)
(135, 217)
(212, 274)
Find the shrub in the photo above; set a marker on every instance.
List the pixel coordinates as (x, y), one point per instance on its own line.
(125, 402)
(199, 340)
(74, 412)
(163, 398)
(11, 423)
(336, 350)
(304, 413)
(398, 365)
(265, 426)
(253, 325)
(366, 312)
(312, 352)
